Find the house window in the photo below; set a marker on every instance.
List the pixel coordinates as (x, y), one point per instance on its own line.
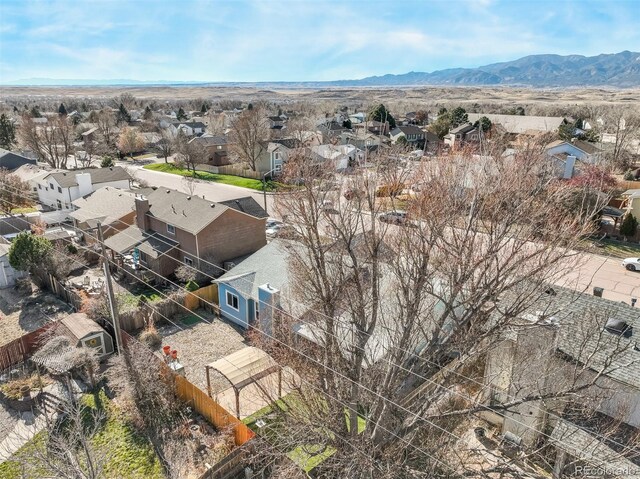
(143, 257)
(52, 187)
(39, 186)
(59, 204)
(171, 229)
(278, 168)
(59, 190)
(219, 147)
(188, 261)
(257, 313)
(232, 301)
(35, 189)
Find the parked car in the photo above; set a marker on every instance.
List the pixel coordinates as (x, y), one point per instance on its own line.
(395, 218)
(273, 227)
(632, 264)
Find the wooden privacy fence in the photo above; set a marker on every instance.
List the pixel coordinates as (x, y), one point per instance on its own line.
(21, 349)
(212, 411)
(200, 297)
(231, 465)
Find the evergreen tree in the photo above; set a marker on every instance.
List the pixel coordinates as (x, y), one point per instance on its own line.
(629, 226)
(483, 123)
(123, 115)
(347, 124)
(62, 111)
(35, 112)
(204, 108)
(7, 132)
(181, 115)
(29, 252)
(148, 114)
(250, 106)
(381, 114)
(458, 116)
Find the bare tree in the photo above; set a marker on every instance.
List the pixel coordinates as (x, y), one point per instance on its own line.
(166, 145)
(189, 184)
(51, 141)
(249, 131)
(189, 152)
(387, 306)
(130, 141)
(14, 193)
(106, 123)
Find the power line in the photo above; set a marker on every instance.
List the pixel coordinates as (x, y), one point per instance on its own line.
(382, 397)
(411, 372)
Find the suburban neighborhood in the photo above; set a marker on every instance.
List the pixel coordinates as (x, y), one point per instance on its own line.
(420, 275)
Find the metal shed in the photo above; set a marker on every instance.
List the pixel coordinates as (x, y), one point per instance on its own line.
(245, 367)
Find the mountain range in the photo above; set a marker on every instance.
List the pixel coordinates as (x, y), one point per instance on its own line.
(541, 71)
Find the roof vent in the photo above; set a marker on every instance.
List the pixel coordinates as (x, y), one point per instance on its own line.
(212, 205)
(168, 191)
(188, 197)
(618, 327)
(598, 292)
(550, 291)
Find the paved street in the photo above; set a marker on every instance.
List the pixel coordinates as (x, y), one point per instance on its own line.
(604, 272)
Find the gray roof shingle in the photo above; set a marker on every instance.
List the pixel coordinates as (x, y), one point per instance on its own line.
(67, 179)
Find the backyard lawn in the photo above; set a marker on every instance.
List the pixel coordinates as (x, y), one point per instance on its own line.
(129, 454)
(214, 177)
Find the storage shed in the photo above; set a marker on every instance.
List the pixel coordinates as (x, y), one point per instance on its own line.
(84, 332)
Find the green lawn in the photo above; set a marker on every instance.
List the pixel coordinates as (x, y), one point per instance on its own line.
(28, 209)
(129, 454)
(617, 249)
(214, 177)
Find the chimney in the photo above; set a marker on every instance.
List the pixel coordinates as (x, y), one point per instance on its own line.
(268, 306)
(598, 292)
(85, 186)
(142, 208)
(569, 167)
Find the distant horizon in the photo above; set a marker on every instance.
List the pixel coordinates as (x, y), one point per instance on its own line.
(46, 81)
(253, 41)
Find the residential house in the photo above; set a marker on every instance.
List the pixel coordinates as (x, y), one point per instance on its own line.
(188, 128)
(113, 208)
(8, 275)
(59, 189)
(373, 126)
(174, 228)
(33, 174)
(363, 140)
(215, 147)
(331, 129)
(357, 118)
(12, 161)
(581, 150)
(260, 291)
(520, 124)
(462, 135)
(275, 153)
(568, 338)
(412, 135)
(258, 276)
(337, 157)
(631, 202)
(151, 139)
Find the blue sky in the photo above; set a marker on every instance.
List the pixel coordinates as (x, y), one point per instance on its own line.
(297, 40)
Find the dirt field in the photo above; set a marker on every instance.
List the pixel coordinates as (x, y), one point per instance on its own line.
(20, 314)
(414, 95)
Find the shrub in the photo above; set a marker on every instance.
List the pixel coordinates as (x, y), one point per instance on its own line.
(628, 176)
(629, 226)
(151, 338)
(72, 249)
(192, 286)
(107, 162)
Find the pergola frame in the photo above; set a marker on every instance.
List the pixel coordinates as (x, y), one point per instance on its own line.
(244, 367)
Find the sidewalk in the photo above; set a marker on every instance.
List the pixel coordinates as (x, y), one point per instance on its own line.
(24, 431)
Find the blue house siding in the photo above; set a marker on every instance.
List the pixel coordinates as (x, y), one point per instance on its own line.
(238, 316)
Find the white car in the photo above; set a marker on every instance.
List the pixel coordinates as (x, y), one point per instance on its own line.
(273, 227)
(632, 264)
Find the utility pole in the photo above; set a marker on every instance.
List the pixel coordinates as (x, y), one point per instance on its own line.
(113, 304)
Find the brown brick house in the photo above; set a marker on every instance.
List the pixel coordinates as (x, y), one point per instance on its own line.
(173, 228)
(215, 149)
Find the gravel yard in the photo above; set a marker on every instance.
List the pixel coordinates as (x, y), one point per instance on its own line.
(23, 313)
(199, 344)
